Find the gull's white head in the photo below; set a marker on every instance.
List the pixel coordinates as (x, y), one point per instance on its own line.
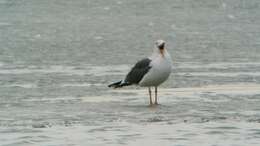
(160, 44)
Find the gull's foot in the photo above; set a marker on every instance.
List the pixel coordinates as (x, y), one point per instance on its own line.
(153, 105)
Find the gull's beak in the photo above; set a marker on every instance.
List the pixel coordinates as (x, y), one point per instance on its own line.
(161, 48)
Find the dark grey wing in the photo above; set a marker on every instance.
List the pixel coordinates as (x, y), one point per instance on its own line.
(138, 71)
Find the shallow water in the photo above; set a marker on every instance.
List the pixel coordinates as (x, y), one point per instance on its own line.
(57, 58)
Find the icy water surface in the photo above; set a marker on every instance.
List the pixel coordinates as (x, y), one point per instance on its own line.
(57, 58)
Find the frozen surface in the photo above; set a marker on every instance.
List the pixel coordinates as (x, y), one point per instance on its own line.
(57, 57)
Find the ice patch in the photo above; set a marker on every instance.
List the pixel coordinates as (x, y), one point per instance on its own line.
(119, 2)
(150, 24)
(194, 93)
(71, 70)
(4, 24)
(80, 85)
(44, 70)
(219, 74)
(37, 36)
(98, 37)
(173, 26)
(224, 5)
(100, 99)
(28, 86)
(220, 65)
(230, 16)
(107, 8)
(111, 70)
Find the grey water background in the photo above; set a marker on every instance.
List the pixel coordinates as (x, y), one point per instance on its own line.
(57, 57)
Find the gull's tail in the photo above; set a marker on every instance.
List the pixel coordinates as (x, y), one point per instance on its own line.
(118, 84)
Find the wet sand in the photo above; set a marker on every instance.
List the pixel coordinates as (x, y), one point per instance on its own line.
(57, 58)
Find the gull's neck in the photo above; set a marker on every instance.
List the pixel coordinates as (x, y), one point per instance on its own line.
(156, 53)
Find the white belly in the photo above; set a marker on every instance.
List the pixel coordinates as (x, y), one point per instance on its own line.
(160, 71)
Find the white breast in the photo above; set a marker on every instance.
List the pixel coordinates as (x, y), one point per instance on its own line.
(160, 71)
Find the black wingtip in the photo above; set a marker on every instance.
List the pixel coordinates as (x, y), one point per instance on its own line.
(118, 84)
(115, 85)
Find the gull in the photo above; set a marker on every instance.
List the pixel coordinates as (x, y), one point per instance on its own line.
(149, 72)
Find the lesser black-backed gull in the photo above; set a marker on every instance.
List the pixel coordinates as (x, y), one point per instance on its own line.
(149, 72)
